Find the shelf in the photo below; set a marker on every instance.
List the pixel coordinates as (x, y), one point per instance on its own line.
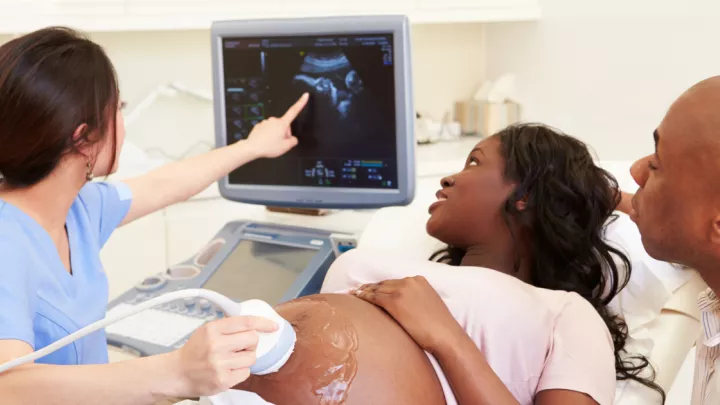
(486, 15)
(160, 15)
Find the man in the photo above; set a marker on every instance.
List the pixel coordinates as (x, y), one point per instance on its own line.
(677, 209)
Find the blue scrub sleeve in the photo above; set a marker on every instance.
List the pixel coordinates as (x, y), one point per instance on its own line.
(107, 205)
(17, 306)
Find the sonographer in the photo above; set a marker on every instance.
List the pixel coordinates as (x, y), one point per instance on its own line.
(60, 126)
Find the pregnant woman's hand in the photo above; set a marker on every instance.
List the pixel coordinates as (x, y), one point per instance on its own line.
(218, 355)
(417, 307)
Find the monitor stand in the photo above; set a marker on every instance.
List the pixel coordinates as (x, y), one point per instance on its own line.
(316, 212)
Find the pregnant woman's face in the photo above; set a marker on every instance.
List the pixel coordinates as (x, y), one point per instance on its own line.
(326, 377)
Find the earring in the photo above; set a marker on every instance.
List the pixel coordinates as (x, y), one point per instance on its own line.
(89, 174)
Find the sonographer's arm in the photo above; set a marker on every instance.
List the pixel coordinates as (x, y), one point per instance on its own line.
(131, 382)
(181, 180)
(216, 358)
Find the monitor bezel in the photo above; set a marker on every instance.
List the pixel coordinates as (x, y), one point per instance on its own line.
(322, 197)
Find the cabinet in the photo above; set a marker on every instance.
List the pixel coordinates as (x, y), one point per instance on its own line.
(473, 4)
(19, 16)
(334, 7)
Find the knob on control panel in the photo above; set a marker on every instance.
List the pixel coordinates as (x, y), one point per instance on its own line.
(204, 304)
(151, 283)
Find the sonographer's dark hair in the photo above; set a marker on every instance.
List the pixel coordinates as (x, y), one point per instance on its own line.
(568, 203)
(52, 81)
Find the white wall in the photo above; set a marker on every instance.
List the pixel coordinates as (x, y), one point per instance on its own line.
(606, 71)
(448, 65)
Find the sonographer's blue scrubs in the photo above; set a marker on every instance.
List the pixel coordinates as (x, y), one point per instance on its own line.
(40, 302)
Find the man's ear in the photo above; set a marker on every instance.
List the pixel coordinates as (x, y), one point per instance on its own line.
(715, 231)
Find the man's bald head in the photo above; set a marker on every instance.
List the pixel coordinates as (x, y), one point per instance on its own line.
(678, 205)
(696, 115)
(691, 127)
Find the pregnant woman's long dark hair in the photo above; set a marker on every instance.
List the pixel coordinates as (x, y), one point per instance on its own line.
(569, 201)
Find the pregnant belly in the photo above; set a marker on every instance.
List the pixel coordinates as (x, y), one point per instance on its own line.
(349, 352)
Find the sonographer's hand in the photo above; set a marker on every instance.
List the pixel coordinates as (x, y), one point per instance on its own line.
(219, 354)
(272, 137)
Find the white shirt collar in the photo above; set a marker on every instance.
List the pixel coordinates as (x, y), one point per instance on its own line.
(709, 305)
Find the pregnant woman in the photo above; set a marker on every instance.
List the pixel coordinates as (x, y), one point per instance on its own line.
(513, 312)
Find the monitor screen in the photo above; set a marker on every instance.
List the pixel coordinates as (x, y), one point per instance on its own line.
(346, 136)
(258, 270)
(356, 139)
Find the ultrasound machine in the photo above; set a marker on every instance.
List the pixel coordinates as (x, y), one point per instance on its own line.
(356, 151)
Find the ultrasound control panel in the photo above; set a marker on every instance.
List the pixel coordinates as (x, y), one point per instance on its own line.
(244, 260)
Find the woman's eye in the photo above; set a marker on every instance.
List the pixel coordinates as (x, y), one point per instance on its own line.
(472, 162)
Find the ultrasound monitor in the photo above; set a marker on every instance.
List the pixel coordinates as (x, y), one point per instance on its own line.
(356, 139)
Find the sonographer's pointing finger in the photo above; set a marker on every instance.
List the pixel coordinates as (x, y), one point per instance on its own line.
(295, 110)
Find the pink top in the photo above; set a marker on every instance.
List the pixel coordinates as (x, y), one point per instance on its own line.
(534, 339)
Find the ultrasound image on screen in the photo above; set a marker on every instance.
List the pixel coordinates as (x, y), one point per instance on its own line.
(346, 133)
(333, 81)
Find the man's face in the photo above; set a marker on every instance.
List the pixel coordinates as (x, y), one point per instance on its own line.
(668, 205)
